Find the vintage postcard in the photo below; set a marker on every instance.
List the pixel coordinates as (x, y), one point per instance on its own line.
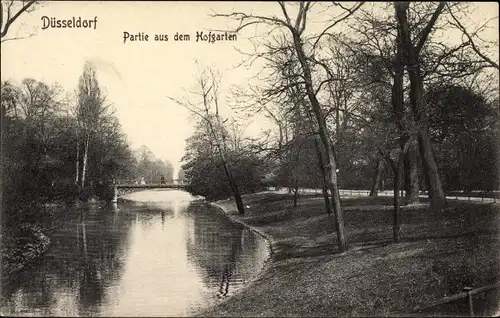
(243, 158)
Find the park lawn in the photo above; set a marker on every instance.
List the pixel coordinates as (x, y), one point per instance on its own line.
(440, 253)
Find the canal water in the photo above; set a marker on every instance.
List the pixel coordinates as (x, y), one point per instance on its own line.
(164, 253)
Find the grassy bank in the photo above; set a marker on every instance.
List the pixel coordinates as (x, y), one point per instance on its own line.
(440, 254)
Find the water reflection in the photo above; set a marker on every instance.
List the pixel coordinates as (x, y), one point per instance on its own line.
(214, 245)
(164, 254)
(70, 278)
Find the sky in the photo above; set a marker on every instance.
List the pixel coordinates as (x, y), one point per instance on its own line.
(139, 76)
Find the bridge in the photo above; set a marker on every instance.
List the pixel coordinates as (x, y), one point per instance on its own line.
(122, 187)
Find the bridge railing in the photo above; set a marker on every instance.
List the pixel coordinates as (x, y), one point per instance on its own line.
(138, 181)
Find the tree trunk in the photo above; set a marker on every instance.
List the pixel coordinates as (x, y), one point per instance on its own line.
(377, 177)
(295, 192)
(337, 120)
(417, 102)
(77, 174)
(321, 164)
(411, 180)
(397, 169)
(409, 165)
(232, 183)
(436, 193)
(237, 198)
(85, 157)
(406, 174)
(423, 180)
(326, 198)
(323, 133)
(396, 227)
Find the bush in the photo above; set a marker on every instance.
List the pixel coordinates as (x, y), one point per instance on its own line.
(104, 191)
(207, 178)
(25, 247)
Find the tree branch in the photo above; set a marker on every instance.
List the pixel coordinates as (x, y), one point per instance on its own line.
(11, 20)
(257, 19)
(350, 12)
(473, 45)
(427, 30)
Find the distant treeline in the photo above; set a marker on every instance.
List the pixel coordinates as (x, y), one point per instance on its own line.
(62, 148)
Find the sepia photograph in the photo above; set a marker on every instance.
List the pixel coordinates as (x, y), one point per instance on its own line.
(249, 159)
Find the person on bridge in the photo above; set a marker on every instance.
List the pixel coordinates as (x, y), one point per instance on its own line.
(143, 181)
(162, 180)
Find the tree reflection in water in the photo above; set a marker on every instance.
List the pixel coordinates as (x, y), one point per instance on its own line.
(229, 267)
(216, 245)
(90, 289)
(100, 263)
(85, 256)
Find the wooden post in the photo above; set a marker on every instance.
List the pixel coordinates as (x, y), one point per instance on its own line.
(469, 296)
(468, 292)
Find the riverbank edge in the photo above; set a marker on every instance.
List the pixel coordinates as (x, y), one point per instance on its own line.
(271, 242)
(271, 245)
(252, 301)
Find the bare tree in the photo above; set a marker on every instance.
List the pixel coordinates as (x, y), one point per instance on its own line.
(284, 100)
(294, 29)
(380, 70)
(377, 179)
(412, 52)
(91, 110)
(208, 84)
(396, 165)
(10, 12)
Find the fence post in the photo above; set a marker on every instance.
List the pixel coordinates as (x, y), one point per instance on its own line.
(469, 296)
